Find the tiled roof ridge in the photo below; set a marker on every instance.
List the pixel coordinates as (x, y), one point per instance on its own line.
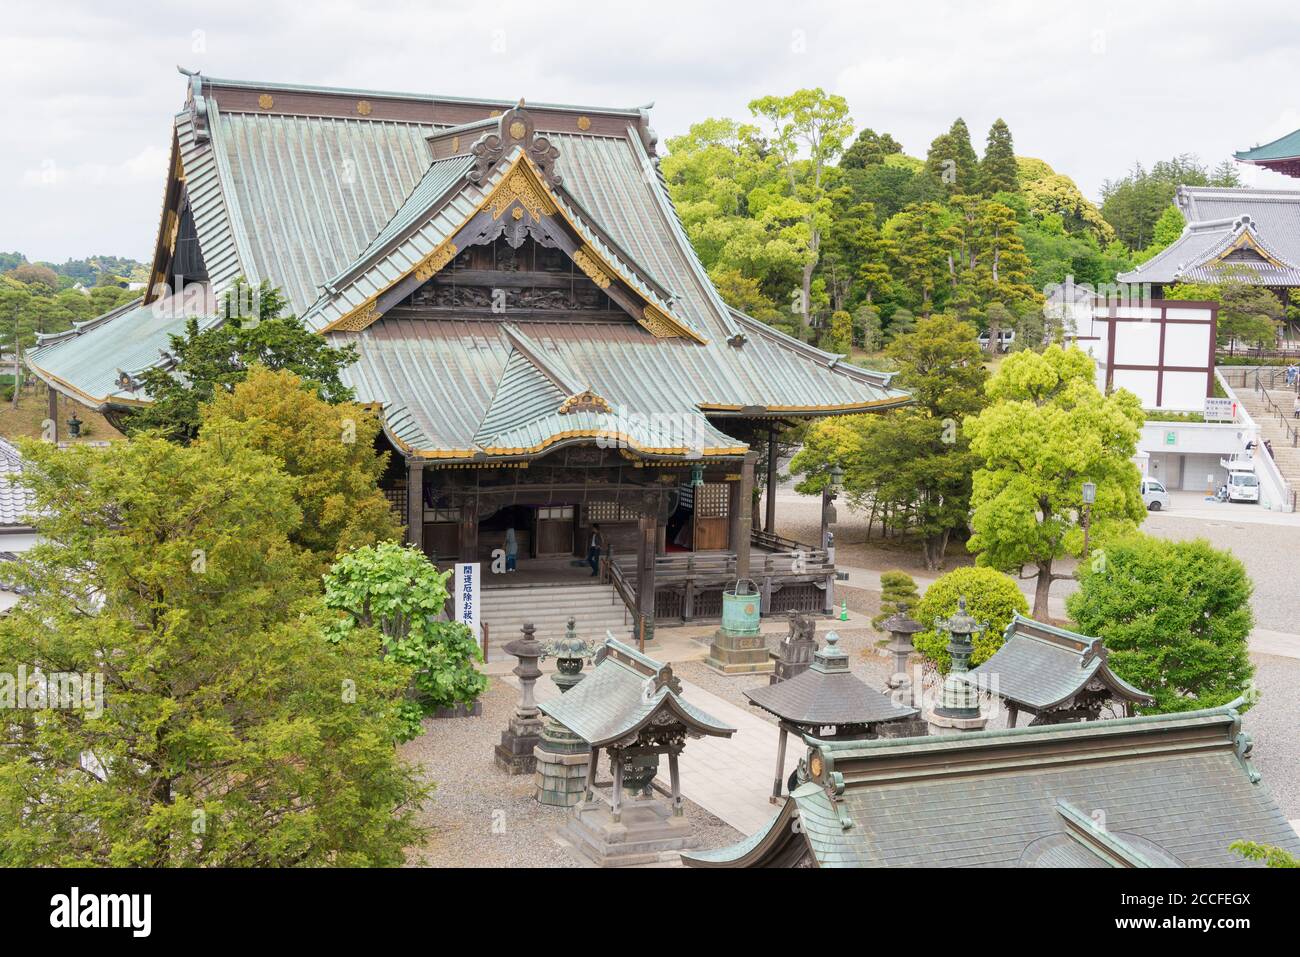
(211, 83)
(1013, 748)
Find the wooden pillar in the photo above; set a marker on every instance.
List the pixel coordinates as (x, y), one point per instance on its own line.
(616, 755)
(1012, 715)
(780, 766)
(740, 509)
(415, 502)
(52, 413)
(591, 774)
(769, 519)
(645, 579)
(676, 780)
(469, 530)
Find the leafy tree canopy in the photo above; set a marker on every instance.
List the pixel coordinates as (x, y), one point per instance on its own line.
(216, 359)
(1175, 617)
(231, 732)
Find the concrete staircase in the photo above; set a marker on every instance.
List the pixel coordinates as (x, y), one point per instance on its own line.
(1285, 456)
(548, 606)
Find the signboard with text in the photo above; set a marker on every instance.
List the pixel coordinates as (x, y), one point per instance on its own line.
(466, 597)
(1219, 410)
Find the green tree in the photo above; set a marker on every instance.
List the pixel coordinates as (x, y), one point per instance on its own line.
(398, 591)
(951, 161)
(1271, 856)
(1133, 204)
(898, 596)
(911, 467)
(991, 597)
(217, 358)
(869, 148)
(808, 129)
(919, 243)
(998, 170)
(1175, 617)
(328, 449)
(1047, 431)
(231, 733)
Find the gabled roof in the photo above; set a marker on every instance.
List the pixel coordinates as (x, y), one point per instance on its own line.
(335, 195)
(1041, 666)
(624, 693)
(827, 693)
(1221, 220)
(1171, 789)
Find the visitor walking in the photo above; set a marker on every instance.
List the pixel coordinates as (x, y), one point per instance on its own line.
(512, 549)
(1296, 407)
(594, 548)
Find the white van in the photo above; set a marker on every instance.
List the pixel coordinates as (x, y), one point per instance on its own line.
(1154, 496)
(1243, 483)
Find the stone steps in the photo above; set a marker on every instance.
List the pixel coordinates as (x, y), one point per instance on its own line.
(596, 608)
(1285, 456)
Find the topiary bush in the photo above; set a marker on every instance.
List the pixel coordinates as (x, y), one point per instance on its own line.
(897, 594)
(990, 596)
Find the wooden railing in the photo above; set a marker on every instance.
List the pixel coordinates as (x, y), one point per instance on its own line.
(776, 543)
(689, 586)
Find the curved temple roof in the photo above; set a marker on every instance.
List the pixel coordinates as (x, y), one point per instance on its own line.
(1041, 666)
(1177, 790)
(345, 199)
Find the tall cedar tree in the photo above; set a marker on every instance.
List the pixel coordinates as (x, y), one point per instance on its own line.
(232, 734)
(254, 331)
(998, 170)
(952, 161)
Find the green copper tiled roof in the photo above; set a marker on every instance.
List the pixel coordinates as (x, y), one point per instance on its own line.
(1168, 789)
(1040, 666)
(333, 207)
(1284, 147)
(617, 698)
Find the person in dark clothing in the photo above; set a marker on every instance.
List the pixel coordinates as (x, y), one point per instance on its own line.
(594, 548)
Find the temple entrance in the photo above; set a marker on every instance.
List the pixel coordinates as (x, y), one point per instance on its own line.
(701, 521)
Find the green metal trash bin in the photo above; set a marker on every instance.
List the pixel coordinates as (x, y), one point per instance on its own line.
(740, 605)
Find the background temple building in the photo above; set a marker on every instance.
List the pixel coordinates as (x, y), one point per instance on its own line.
(1254, 228)
(545, 346)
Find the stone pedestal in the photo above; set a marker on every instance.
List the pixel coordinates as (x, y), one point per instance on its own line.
(647, 833)
(561, 765)
(734, 654)
(917, 727)
(795, 653)
(514, 754)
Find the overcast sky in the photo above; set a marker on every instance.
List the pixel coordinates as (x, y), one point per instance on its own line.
(1089, 87)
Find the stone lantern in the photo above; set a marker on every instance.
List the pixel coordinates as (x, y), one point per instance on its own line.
(562, 756)
(901, 628)
(514, 754)
(958, 708)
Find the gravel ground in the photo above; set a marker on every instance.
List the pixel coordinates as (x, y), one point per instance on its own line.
(482, 817)
(1274, 724)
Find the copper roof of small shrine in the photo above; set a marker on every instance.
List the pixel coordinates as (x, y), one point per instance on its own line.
(624, 693)
(1175, 789)
(1281, 155)
(827, 693)
(1040, 666)
(344, 198)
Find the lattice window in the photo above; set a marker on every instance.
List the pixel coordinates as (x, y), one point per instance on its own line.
(442, 515)
(610, 512)
(555, 512)
(711, 500)
(397, 500)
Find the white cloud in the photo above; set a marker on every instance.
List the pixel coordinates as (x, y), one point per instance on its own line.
(1090, 88)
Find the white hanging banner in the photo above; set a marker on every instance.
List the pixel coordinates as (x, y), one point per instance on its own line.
(466, 597)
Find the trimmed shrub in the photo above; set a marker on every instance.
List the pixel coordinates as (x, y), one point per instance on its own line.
(990, 596)
(897, 594)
